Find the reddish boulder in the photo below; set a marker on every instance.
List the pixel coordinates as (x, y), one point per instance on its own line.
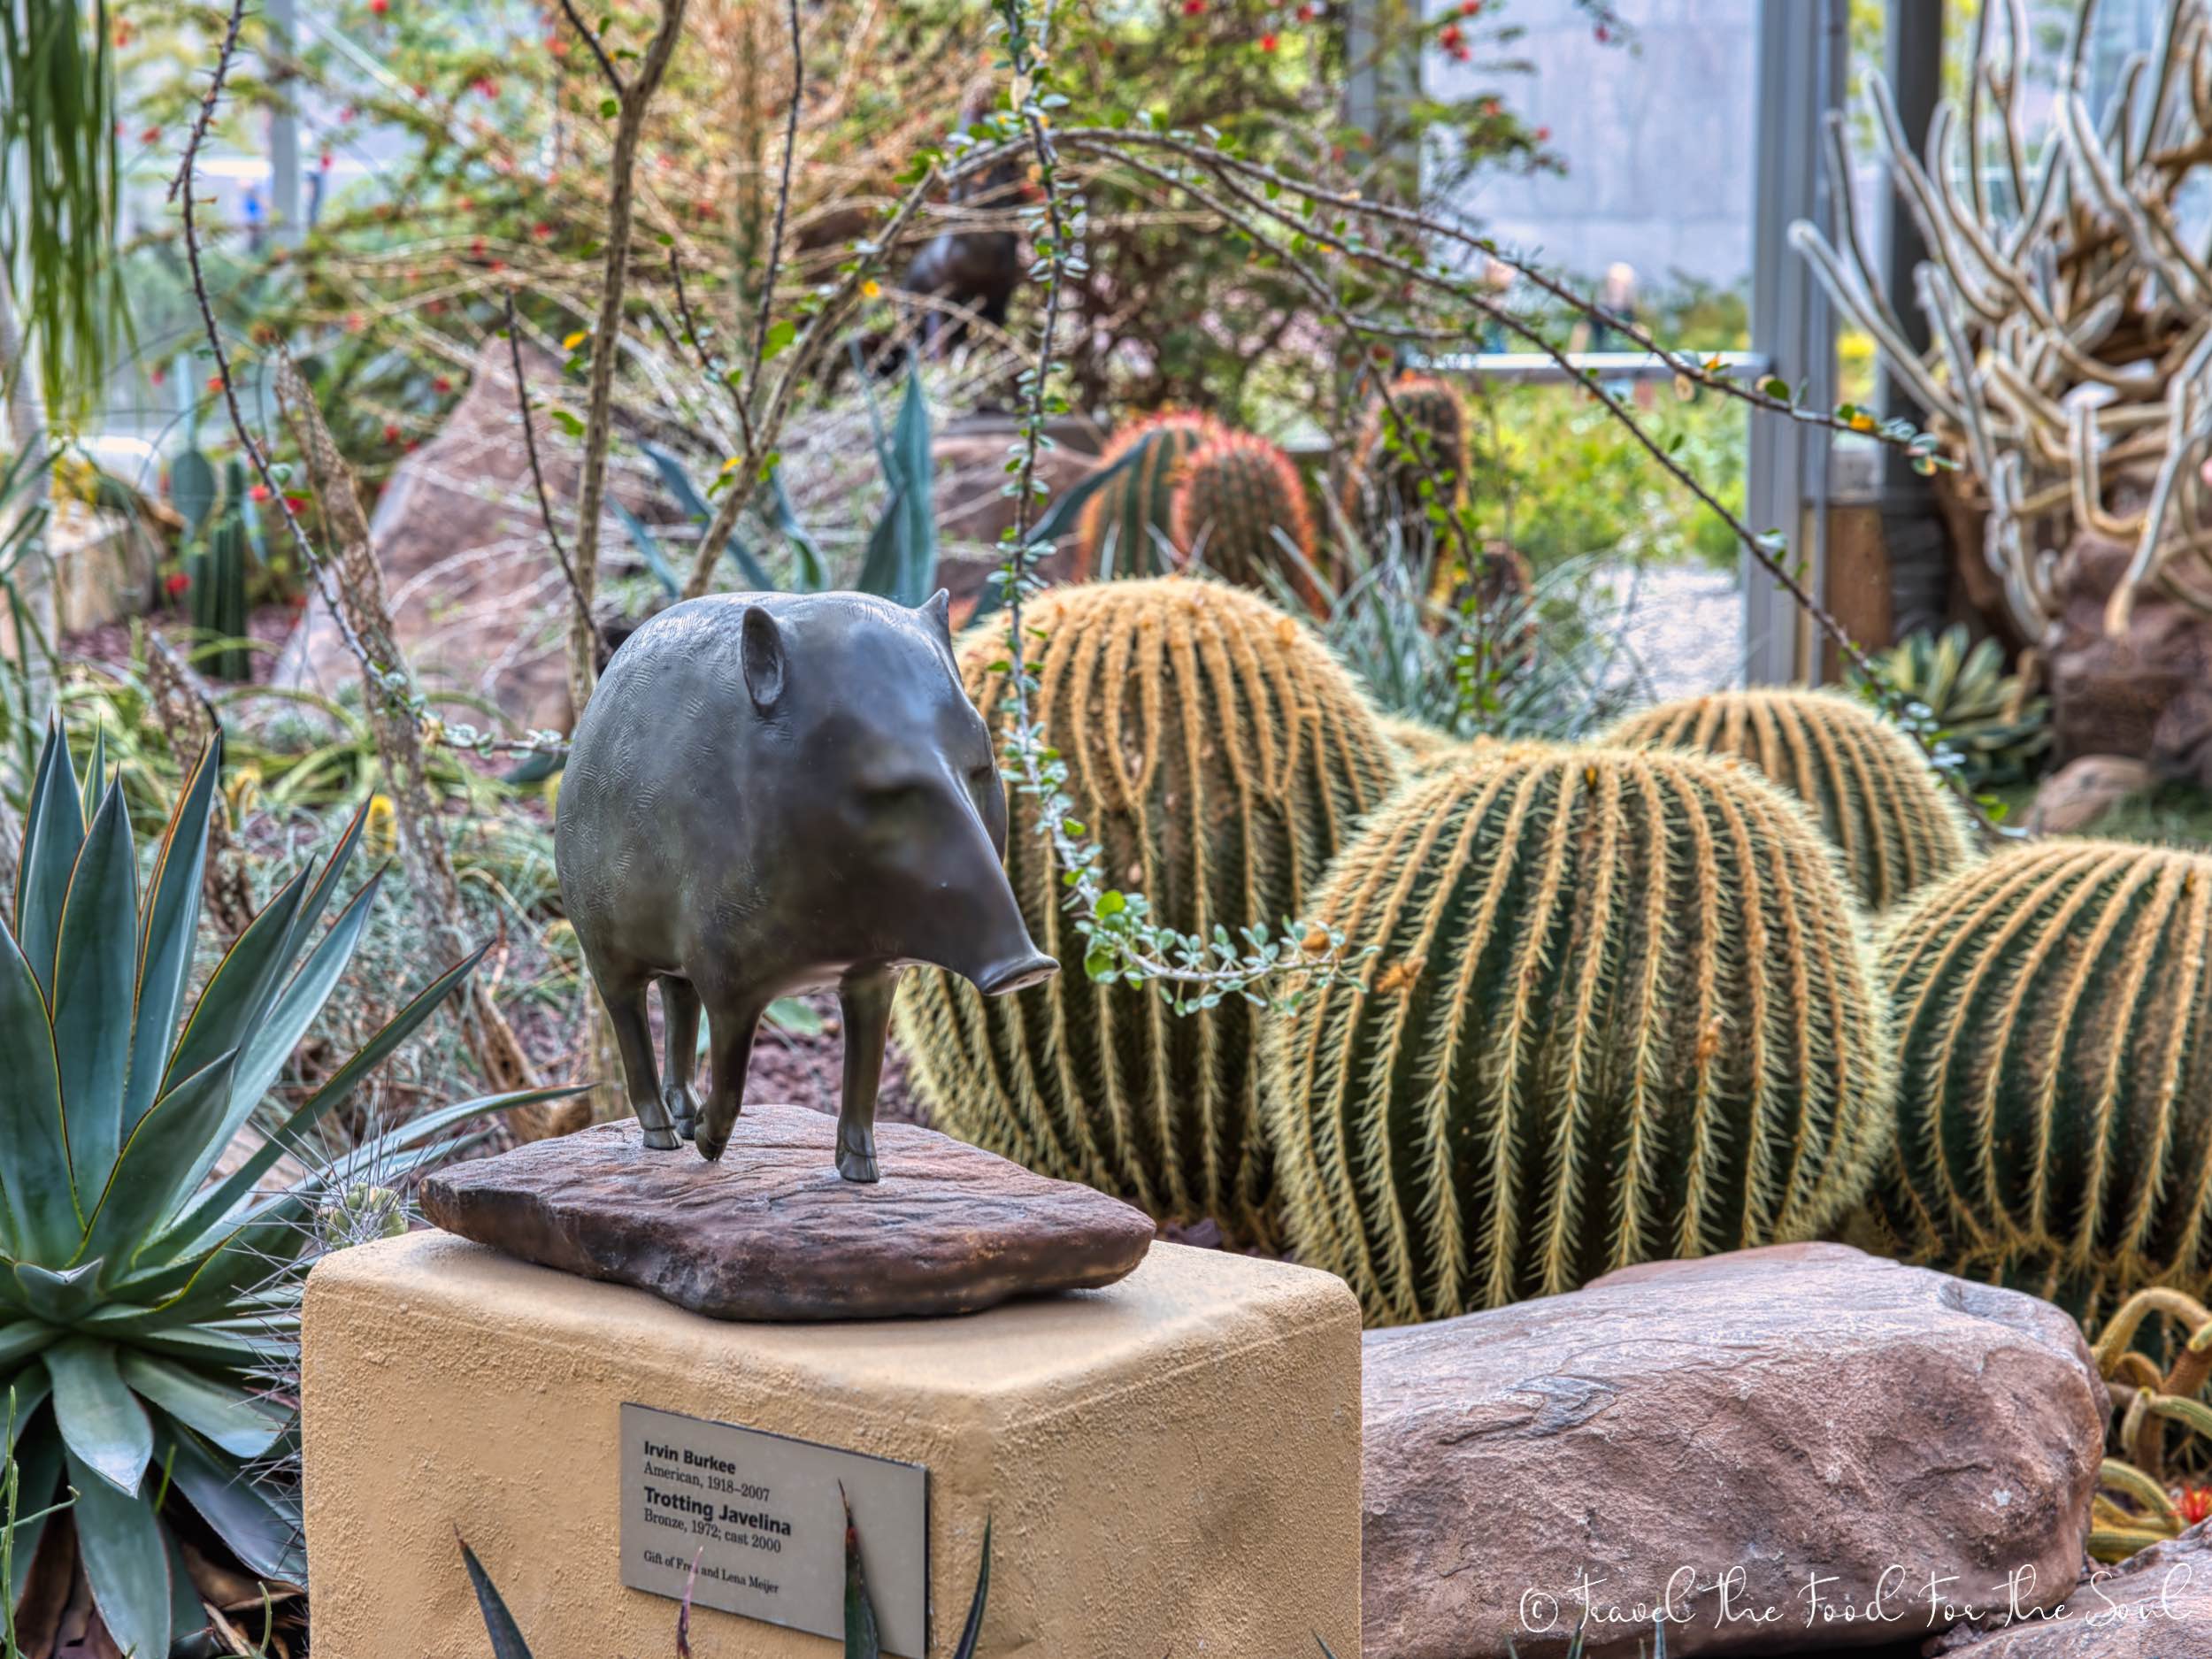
(2157, 1605)
(1783, 1448)
(2146, 694)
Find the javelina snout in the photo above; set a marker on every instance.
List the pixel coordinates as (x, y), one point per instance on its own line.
(1019, 975)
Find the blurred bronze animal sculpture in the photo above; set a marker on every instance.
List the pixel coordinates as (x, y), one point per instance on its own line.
(769, 793)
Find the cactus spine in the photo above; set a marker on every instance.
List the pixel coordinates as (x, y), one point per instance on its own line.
(1621, 1008)
(1386, 484)
(2054, 1012)
(1238, 499)
(1866, 782)
(1421, 747)
(1126, 521)
(1220, 756)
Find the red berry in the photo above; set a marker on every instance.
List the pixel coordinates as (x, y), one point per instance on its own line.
(177, 582)
(1267, 42)
(258, 493)
(441, 386)
(391, 433)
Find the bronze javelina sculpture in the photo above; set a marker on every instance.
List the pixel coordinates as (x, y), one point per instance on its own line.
(771, 792)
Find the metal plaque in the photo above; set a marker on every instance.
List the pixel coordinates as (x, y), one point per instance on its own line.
(761, 1516)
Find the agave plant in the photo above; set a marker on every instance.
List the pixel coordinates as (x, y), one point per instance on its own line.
(1974, 708)
(144, 1296)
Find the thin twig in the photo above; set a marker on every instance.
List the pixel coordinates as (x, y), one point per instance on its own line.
(530, 447)
(606, 63)
(783, 206)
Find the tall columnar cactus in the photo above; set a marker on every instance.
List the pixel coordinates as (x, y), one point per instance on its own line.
(1239, 501)
(1220, 756)
(1867, 783)
(1621, 1008)
(218, 576)
(1387, 484)
(1127, 520)
(2053, 1010)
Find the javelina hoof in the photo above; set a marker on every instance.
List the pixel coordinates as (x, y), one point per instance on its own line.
(662, 1139)
(857, 1166)
(710, 1145)
(682, 1110)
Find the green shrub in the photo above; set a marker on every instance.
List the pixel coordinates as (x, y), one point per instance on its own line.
(141, 1302)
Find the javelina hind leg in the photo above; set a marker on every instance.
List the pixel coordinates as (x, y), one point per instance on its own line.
(731, 1022)
(679, 1015)
(633, 1036)
(865, 1000)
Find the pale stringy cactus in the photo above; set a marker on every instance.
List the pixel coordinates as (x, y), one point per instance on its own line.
(1217, 757)
(2071, 317)
(1865, 781)
(2055, 1112)
(1621, 1009)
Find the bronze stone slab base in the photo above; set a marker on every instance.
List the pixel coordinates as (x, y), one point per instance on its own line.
(770, 1233)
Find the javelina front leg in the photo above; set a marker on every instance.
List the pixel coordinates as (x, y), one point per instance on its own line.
(865, 1000)
(679, 1013)
(731, 1022)
(633, 1038)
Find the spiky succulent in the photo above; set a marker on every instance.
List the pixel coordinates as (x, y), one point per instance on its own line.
(1128, 527)
(1869, 785)
(1620, 1008)
(144, 1299)
(1422, 749)
(1403, 467)
(1985, 716)
(218, 574)
(2054, 1009)
(1220, 757)
(1239, 509)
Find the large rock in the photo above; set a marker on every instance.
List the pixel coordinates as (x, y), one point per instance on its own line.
(2157, 1605)
(771, 1232)
(2082, 791)
(478, 601)
(1728, 1433)
(2146, 694)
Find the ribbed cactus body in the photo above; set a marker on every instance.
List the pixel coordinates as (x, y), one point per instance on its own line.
(2053, 1017)
(1219, 756)
(1422, 749)
(1867, 783)
(1239, 501)
(1621, 1008)
(218, 574)
(1387, 484)
(1127, 519)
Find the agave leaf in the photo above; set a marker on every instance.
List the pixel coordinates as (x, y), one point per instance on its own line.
(813, 573)
(971, 1632)
(326, 885)
(93, 968)
(499, 1623)
(60, 1296)
(95, 773)
(102, 1423)
(22, 1339)
(237, 994)
(171, 923)
(42, 1202)
(38, 1479)
(262, 1533)
(26, 1392)
(216, 1204)
(861, 1640)
(151, 1172)
(916, 494)
(216, 1347)
(887, 555)
(678, 483)
(53, 831)
(648, 548)
(119, 1540)
(188, 1617)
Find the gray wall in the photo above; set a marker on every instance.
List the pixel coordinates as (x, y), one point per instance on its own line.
(1657, 139)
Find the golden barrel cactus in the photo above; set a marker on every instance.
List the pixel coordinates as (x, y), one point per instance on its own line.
(1422, 747)
(1239, 509)
(1122, 528)
(1220, 757)
(1621, 1008)
(2053, 1017)
(1869, 785)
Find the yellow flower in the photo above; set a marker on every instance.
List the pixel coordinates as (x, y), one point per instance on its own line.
(871, 288)
(575, 340)
(1862, 422)
(382, 830)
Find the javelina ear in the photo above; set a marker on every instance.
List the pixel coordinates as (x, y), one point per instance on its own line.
(938, 607)
(761, 643)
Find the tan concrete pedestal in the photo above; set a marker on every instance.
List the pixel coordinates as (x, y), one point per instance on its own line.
(1172, 1466)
